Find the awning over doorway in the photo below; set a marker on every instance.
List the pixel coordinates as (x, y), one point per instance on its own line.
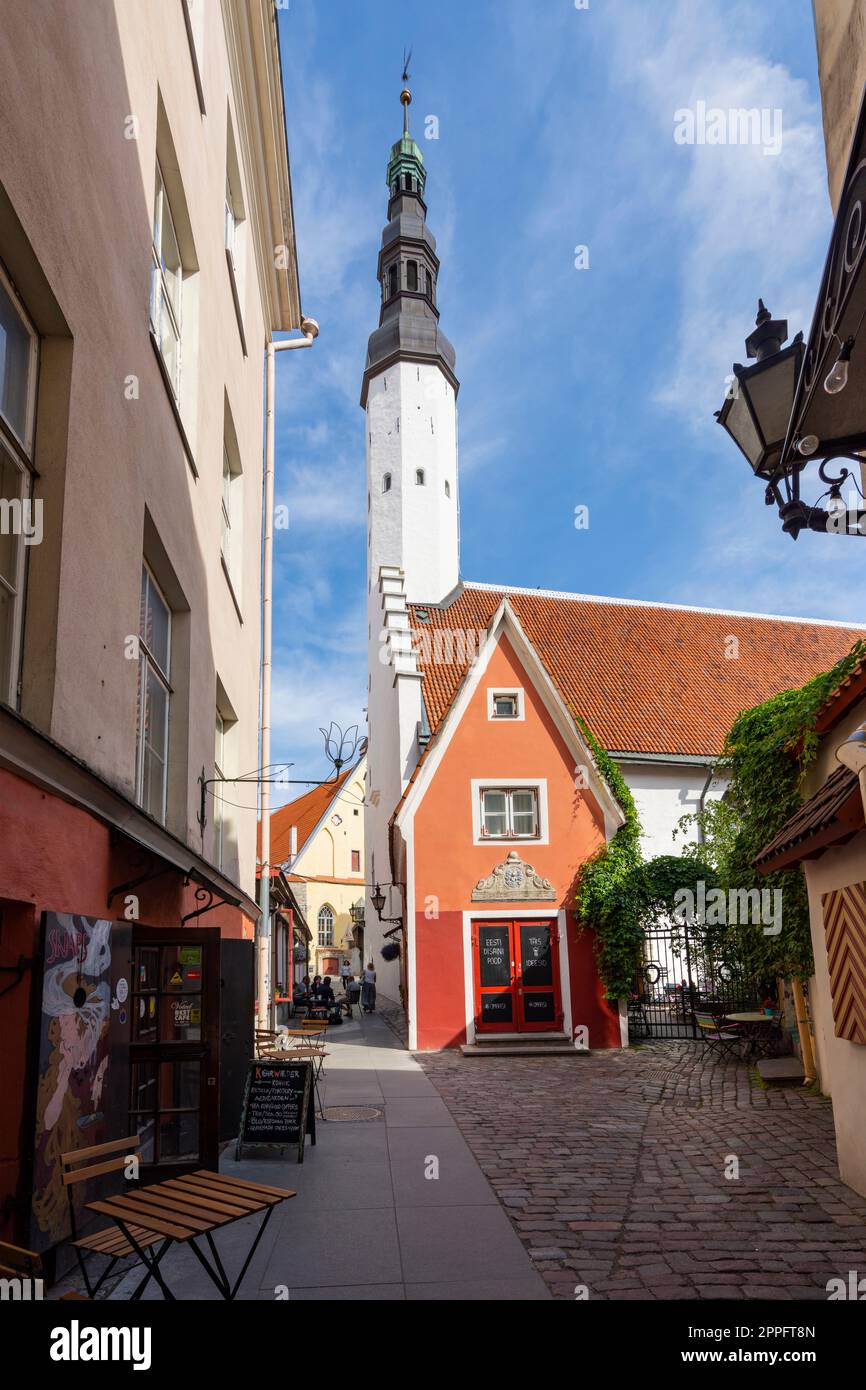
(828, 818)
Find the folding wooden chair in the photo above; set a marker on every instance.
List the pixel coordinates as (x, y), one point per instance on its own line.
(722, 1037)
(105, 1158)
(265, 1038)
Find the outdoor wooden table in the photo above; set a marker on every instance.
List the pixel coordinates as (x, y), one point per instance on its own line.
(755, 1024)
(317, 1057)
(185, 1208)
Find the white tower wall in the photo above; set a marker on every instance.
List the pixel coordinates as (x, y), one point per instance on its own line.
(411, 421)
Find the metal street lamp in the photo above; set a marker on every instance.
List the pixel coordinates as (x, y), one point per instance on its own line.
(759, 400)
(804, 404)
(377, 898)
(759, 415)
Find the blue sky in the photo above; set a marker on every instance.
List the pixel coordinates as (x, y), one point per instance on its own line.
(590, 387)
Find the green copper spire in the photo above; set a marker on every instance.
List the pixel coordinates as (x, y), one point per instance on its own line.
(407, 161)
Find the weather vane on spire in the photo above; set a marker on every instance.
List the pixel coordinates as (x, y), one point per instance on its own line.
(406, 95)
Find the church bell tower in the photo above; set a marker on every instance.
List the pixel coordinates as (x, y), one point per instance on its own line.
(409, 395)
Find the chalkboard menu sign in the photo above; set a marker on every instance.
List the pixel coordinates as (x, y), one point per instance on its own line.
(278, 1106)
(535, 954)
(494, 956)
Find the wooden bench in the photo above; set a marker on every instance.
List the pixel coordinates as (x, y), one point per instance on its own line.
(99, 1159)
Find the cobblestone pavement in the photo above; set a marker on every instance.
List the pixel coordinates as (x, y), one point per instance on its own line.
(612, 1169)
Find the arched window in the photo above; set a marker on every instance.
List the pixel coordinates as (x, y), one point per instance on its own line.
(392, 280)
(419, 477)
(326, 926)
(386, 482)
(412, 275)
(447, 488)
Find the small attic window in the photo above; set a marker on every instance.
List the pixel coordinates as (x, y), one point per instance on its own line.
(386, 482)
(419, 477)
(422, 614)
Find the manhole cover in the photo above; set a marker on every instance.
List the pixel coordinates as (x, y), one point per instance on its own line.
(352, 1112)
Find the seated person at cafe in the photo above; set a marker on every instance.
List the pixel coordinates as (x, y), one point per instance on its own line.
(326, 992)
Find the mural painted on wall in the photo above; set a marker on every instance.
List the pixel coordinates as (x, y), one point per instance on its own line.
(83, 1056)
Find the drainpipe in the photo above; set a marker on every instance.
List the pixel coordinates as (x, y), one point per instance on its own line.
(310, 330)
(702, 804)
(804, 1032)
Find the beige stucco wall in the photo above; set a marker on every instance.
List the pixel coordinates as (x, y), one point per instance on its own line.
(113, 469)
(840, 33)
(841, 1064)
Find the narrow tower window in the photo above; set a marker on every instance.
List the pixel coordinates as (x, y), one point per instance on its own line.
(447, 488)
(419, 477)
(412, 275)
(386, 483)
(392, 281)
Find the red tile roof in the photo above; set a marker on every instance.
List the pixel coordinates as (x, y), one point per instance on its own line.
(647, 678)
(305, 812)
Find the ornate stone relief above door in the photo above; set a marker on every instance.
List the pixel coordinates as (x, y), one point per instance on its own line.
(513, 881)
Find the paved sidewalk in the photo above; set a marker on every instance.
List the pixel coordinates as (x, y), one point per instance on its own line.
(367, 1223)
(612, 1168)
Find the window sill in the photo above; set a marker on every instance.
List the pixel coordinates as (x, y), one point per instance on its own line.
(172, 400)
(236, 298)
(225, 570)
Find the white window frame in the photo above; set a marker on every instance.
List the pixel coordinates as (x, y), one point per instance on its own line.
(159, 290)
(495, 692)
(507, 784)
(19, 453)
(146, 662)
(326, 927)
(26, 443)
(231, 222)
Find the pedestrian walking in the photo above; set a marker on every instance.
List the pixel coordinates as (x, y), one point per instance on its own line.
(368, 990)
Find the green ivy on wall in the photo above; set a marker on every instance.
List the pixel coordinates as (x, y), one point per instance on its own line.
(766, 755)
(619, 895)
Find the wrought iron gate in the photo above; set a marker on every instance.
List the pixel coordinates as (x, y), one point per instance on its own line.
(680, 971)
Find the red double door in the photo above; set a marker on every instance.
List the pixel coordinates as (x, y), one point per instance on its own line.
(516, 969)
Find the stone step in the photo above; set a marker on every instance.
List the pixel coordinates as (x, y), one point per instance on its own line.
(494, 1039)
(784, 1071)
(523, 1050)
